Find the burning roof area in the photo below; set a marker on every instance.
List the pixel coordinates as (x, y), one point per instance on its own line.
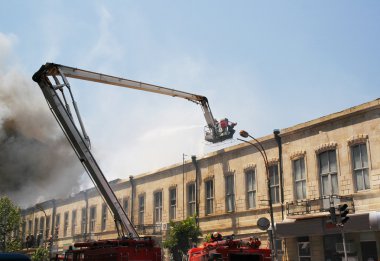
(36, 161)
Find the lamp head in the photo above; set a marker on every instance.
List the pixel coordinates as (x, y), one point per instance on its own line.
(244, 134)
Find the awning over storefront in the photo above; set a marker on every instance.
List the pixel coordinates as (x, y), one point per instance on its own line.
(305, 226)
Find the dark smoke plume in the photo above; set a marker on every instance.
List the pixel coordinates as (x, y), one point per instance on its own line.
(36, 161)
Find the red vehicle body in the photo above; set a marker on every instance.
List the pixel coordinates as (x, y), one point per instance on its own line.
(113, 250)
(231, 250)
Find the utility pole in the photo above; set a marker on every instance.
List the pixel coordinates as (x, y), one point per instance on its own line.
(183, 186)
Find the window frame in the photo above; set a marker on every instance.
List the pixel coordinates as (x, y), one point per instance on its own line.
(251, 191)
(275, 185)
(57, 223)
(126, 205)
(302, 180)
(83, 228)
(157, 207)
(141, 209)
(35, 227)
(230, 192)
(172, 203)
(92, 219)
(104, 217)
(41, 226)
(47, 225)
(30, 226)
(73, 221)
(330, 174)
(209, 196)
(362, 169)
(191, 199)
(65, 223)
(301, 241)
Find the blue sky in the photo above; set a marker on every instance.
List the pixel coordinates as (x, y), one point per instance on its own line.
(263, 64)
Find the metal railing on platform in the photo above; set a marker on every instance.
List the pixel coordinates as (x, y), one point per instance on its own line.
(149, 229)
(317, 205)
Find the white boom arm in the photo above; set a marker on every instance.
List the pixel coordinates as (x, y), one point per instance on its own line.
(53, 78)
(71, 72)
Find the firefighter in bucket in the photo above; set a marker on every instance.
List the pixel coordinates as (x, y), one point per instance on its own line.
(216, 236)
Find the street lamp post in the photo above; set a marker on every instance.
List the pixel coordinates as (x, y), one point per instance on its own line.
(263, 153)
(278, 139)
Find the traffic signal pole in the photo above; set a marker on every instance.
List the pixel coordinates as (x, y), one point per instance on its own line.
(343, 211)
(344, 242)
(339, 219)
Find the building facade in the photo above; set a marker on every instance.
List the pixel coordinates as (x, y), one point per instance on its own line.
(327, 162)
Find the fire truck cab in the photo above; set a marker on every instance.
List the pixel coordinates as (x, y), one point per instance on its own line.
(229, 249)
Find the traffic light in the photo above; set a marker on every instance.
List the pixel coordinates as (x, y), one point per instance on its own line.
(343, 211)
(333, 217)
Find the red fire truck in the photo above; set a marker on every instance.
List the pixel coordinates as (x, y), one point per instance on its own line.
(246, 249)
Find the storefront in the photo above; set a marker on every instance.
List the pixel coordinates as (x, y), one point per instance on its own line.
(316, 239)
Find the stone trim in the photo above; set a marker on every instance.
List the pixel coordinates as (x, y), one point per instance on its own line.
(273, 161)
(207, 178)
(297, 155)
(249, 167)
(158, 190)
(325, 147)
(229, 173)
(172, 186)
(357, 139)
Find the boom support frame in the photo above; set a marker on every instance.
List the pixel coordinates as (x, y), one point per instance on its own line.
(52, 79)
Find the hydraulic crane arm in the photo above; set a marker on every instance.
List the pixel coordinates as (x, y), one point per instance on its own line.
(55, 69)
(52, 79)
(53, 90)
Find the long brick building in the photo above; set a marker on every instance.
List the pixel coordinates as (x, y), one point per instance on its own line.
(323, 163)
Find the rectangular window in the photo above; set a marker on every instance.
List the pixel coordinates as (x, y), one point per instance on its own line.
(141, 209)
(23, 230)
(274, 183)
(328, 172)
(42, 224)
(125, 205)
(304, 253)
(191, 199)
(66, 224)
(30, 225)
(57, 225)
(173, 203)
(73, 222)
(209, 197)
(104, 217)
(158, 207)
(83, 221)
(230, 193)
(251, 188)
(47, 235)
(299, 178)
(92, 219)
(35, 227)
(360, 166)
